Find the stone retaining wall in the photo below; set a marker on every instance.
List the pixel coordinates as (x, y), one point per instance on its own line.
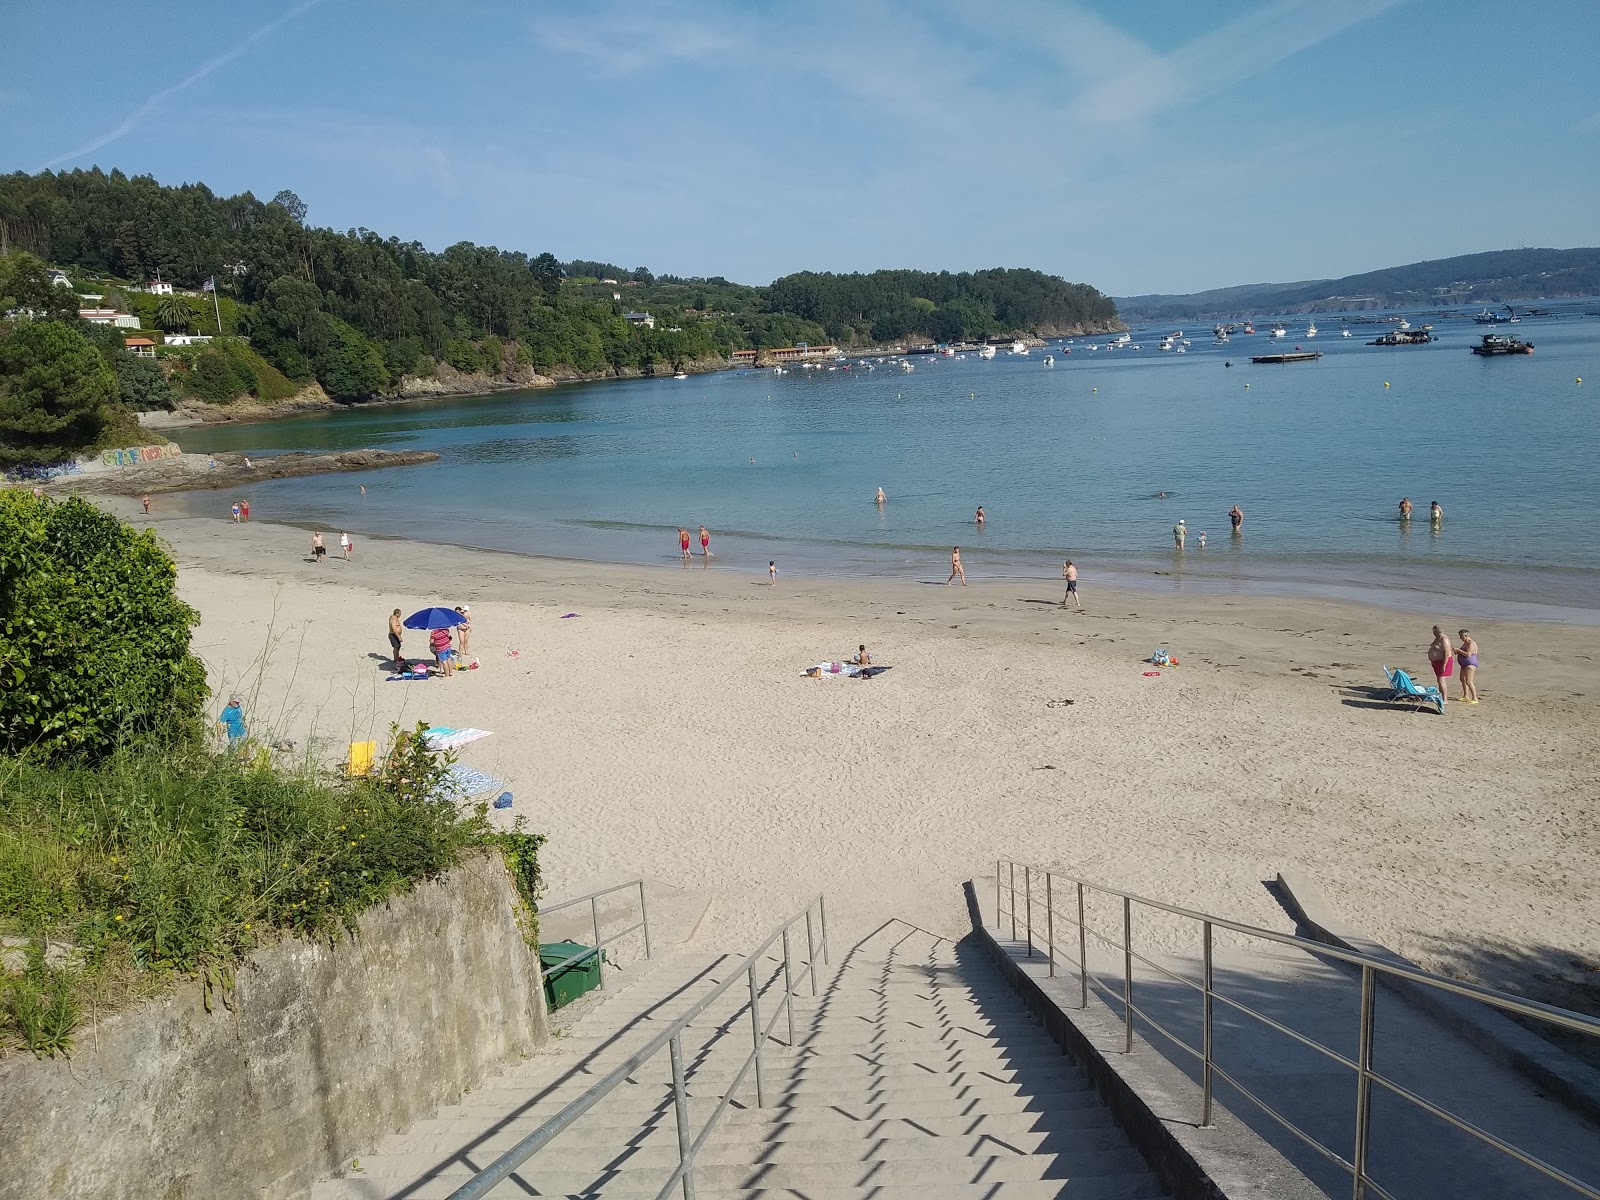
(329, 1047)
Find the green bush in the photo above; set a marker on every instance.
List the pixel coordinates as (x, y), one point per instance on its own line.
(157, 865)
(94, 643)
(56, 392)
(219, 377)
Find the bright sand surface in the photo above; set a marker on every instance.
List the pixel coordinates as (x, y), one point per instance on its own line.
(667, 731)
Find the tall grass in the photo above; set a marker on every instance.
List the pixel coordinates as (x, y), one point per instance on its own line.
(116, 879)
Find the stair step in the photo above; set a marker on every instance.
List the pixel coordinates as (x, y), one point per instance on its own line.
(554, 1176)
(1101, 1187)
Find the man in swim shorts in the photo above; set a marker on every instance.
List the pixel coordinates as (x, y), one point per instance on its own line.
(705, 543)
(683, 543)
(1069, 572)
(317, 547)
(395, 629)
(439, 643)
(1441, 657)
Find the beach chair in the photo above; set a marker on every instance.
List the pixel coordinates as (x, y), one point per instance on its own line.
(1404, 690)
(362, 760)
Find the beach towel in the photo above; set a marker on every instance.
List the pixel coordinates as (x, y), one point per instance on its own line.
(466, 783)
(842, 671)
(406, 676)
(442, 737)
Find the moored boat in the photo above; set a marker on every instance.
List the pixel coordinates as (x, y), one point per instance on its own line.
(1495, 344)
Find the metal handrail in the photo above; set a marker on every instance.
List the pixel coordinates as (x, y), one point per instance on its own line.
(671, 1038)
(1005, 879)
(597, 950)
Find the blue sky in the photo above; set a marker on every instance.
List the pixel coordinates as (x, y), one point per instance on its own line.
(1154, 146)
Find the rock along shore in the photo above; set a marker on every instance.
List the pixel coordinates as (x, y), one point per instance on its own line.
(192, 472)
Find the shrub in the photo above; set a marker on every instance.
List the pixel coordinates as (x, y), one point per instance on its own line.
(94, 643)
(218, 377)
(55, 393)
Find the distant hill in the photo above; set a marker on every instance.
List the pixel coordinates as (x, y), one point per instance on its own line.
(1494, 277)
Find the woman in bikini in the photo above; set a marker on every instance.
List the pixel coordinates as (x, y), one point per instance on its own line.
(1467, 657)
(955, 567)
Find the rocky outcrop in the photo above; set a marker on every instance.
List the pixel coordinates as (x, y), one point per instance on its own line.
(193, 472)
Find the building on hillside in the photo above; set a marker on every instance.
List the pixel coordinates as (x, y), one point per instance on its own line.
(109, 316)
(188, 339)
(140, 347)
(640, 318)
(612, 282)
(59, 278)
(782, 354)
(158, 287)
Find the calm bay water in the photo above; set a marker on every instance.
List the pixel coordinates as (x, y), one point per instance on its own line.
(1066, 460)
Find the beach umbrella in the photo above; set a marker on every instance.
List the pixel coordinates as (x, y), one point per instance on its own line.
(434, 618)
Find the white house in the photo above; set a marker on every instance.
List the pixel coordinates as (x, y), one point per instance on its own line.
(158, 287)
(188, 339)
(640, 318)
(109, 316)
(59, 278)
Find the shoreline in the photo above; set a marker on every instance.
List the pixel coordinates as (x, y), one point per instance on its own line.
(667, 731)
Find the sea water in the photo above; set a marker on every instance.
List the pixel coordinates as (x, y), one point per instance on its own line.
(1067, 460)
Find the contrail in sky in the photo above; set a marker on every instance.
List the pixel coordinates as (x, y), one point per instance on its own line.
(153, 105)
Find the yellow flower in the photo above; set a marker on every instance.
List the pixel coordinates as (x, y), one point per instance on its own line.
(119, 916)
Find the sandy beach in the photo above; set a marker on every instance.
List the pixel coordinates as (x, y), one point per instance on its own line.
(668, 731)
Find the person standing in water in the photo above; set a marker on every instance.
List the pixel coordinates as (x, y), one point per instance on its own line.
(705, 543)
(978, 520)
(955, 567)
(1179, 532)
(1467, 659)
(1069, 572)
(1435, 514)
(1405, 508)
(1236, 517)
(683, 543)
(1441, 657)
(880, 499)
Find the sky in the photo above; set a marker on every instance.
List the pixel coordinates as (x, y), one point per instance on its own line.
(1135, 145)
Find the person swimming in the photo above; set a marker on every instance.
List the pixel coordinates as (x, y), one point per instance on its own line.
(880, 499)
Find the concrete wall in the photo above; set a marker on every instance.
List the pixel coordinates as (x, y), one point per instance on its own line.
(329, 1048)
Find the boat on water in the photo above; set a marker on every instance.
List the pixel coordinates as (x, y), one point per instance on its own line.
(1165, 344)
(1279, 331)
(680, 375)
(1495, 344)
(1019, 347)
(1220, 340)
(1049, 360)
(1249, 328)
(1405, 337)
(1490, 317)
(1288, 356)
(986, 352)
(1346, 333)
(1123, 340)
(906, 366)
(1311, 329)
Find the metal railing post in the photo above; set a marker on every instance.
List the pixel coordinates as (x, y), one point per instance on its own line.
(644, 919)
(822, 913)
(788, 985)
(1205, 1034)
(997, 865)
(1127, 975)
(755, 1037)
(680, 1104)
(599, 954)
(811, 952)
(1027, 900)
(1363, 1086)
(1083, 953)
(1012, 893)
(1049, 925)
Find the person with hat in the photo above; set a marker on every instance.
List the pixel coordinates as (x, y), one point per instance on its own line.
(231, 721)
(1179, 532)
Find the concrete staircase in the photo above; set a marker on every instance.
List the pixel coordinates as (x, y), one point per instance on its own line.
(914, 1072)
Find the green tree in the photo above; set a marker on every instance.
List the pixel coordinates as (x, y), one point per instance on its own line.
(55, 390)
(351, 367)
(94, 642)
(25, 284)
(141, 384)
(174, 314)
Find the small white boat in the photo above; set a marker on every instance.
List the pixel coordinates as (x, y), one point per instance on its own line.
(906, 366)
(986, 352)
(1166, 344)
(1346, 333)
(1124, 340)
(1311, 329)
(680, 375)
(1049, 360)
(1019, 347)
(1279, 331)
(1402, 323)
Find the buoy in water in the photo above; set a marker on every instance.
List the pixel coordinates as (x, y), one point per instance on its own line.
(1229, 363)
(1385, 383)
(1094, 389)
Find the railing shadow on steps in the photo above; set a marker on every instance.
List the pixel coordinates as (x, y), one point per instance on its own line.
(1031, 900)
(762, 975)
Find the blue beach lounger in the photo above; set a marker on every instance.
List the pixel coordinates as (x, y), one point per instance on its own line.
(1403, 690)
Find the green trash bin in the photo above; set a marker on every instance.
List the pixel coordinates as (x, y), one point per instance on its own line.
(570, 970)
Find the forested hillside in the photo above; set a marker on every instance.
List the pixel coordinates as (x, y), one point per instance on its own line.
(356, 311)
(1493, 277)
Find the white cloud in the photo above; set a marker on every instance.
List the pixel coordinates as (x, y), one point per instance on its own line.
(156, 102)
(634, 38)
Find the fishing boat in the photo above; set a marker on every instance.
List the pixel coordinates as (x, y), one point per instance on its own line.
(1489, 317)
(1404, 337)
(1494, 345)
(986, 352)
(1279, 331)
(1249, 328)
(1049, 360)
(1311, 329)
(1345, 333)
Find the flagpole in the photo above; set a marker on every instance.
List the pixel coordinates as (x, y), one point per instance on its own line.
(215, 305)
